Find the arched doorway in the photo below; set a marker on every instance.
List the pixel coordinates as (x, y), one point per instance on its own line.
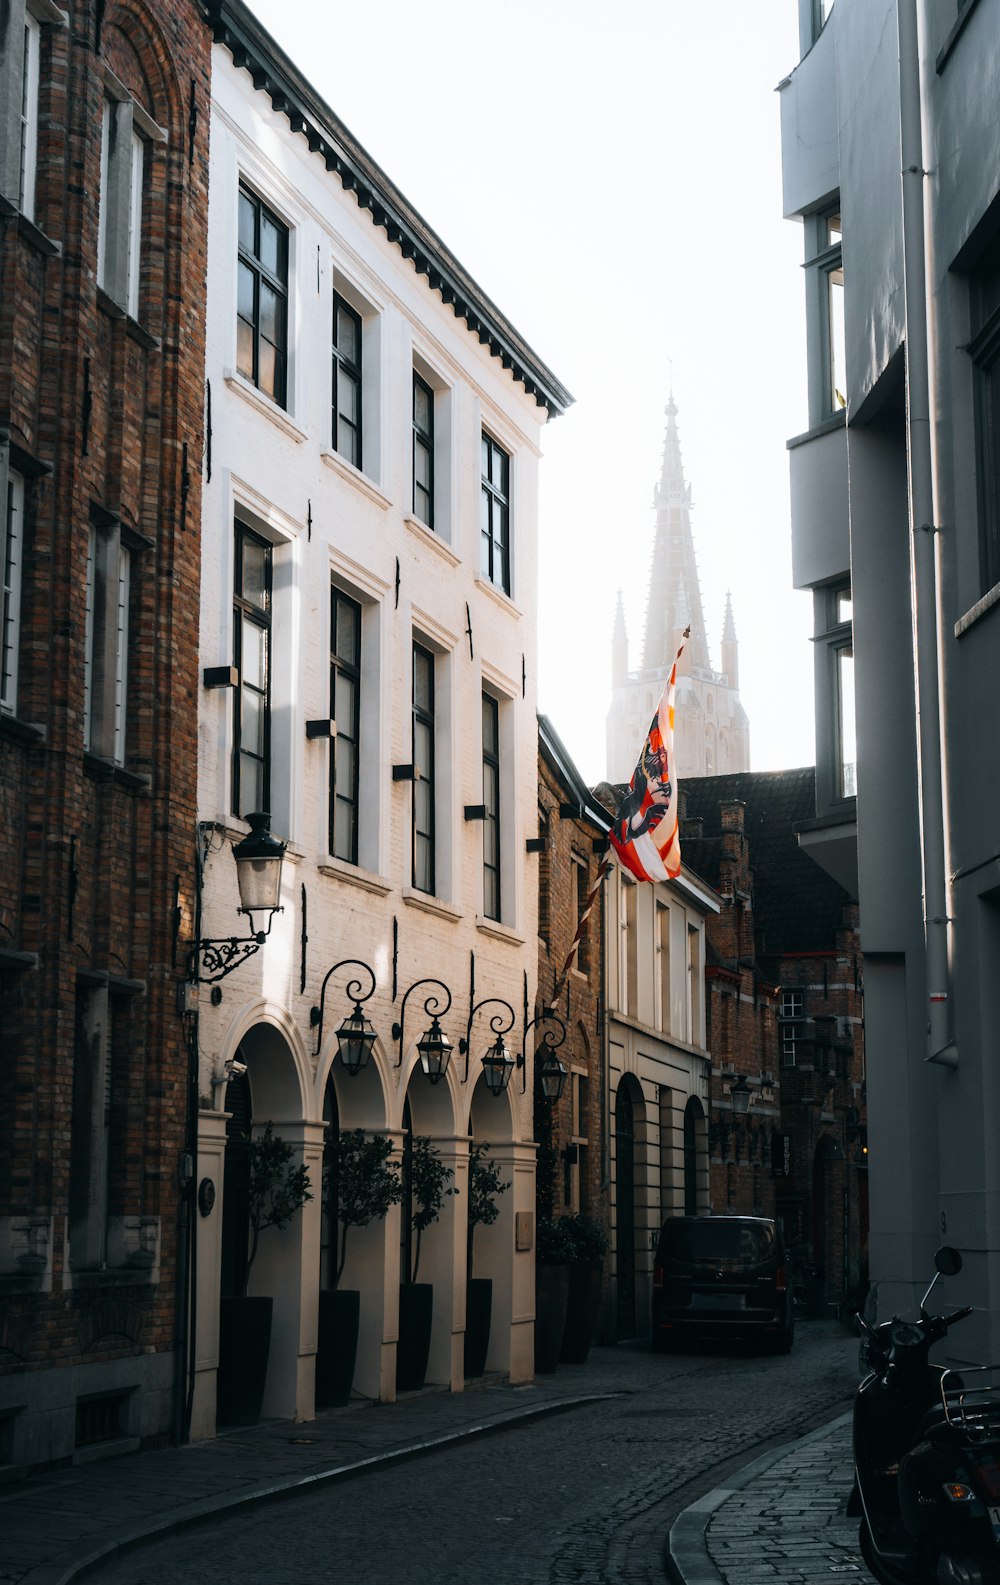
(625, 1210)
(236, 1187)
(694, 1151)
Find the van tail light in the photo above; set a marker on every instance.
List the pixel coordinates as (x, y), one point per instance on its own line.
(658, 1276)
(986, 1474)
(781, 1279)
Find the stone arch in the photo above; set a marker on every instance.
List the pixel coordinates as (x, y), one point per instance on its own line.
(270, 1090)
(493, 1121)
(695, 1158)
(432, 1111)
(630, 1144)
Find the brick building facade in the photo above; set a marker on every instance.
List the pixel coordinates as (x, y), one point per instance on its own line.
(785, 1010)
(572, 1134)
(103, 216)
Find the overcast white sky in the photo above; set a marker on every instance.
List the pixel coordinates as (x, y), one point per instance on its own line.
(611, 177)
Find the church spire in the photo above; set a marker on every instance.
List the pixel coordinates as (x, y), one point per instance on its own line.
(730, 646)
(674, 589)
(619, 647)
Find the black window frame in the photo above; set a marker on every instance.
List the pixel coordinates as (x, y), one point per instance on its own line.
(260, 617)
(495, 560)
(423, 446)
(344, 779)
(492, 879)
(423, 845)
(349, 369)
(277, 282)
(984, 352)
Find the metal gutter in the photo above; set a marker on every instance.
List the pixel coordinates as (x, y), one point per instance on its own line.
(925, 522)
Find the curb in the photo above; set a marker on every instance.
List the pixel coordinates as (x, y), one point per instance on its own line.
(687, 1556)
(87, 1555)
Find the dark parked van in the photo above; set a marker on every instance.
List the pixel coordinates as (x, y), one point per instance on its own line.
(721, 1276)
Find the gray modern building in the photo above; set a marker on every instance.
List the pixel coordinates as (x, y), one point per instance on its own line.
(891, 162)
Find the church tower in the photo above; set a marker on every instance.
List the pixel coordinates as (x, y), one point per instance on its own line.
(712, 733)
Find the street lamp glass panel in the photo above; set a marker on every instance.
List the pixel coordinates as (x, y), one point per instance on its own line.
(355, 1039)
(740, 1095)
(552, 1076)
(435, 1052)
(498, 1065)
(258, 867)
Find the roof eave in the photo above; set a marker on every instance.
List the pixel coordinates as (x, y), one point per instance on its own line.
(253, 49)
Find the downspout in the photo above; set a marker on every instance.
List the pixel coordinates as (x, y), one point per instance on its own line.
(925, 528)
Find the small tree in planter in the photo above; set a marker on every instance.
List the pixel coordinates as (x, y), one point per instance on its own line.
(276, 1190)
(589, 1243)
(428, 1184)
(485, 1189)
(368, 1183)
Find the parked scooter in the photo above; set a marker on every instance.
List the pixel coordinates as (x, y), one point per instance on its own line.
(926, 1455)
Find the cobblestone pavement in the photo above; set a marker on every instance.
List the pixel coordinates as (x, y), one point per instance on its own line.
(583, 1497)
(779, 1520)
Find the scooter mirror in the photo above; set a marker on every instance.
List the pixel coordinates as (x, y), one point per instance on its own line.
(948, 1261)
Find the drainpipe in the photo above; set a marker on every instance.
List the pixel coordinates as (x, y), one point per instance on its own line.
(925, 528)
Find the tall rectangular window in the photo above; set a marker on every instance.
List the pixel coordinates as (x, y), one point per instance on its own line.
(984, 350)
(694, 973)
(345, 708)
(262, 297)
(663, 966)
(11, 561)
(630, 946)
(581, 874)
(423, 760)
(106, 642)
(90, 1130)
(346, 381)
(29, 118)
(837, 767)
(790, 1012)
(491, 802)
(119, 221)
(495, 514)
(423, 451)
(252, 591)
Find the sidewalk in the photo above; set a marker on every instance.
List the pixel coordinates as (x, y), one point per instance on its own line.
(781, 1519)
(55, 1525)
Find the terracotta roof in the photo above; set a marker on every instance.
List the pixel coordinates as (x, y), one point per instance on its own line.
(797, 907)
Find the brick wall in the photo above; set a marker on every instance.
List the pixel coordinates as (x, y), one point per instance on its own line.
(101, 412)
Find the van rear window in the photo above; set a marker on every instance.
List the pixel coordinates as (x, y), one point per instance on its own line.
(708, 1241)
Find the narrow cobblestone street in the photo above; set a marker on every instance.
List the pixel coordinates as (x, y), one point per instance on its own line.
(585, 1497)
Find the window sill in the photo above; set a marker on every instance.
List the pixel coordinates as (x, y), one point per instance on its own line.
(354, 476)
(496, 593)
(21, 731)
(953, 36)
(499, 931)
(36, 238)
(427, 536)
(17, 962)
(430, 905)
(99, 769)
(108, 1277)
(339, 870)
(979, 610)
(826, 426)
(240, 386)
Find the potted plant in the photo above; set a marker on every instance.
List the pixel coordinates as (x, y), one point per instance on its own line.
(367, 1183)
(554, 1252)
(275, 1191)
(428, 1184)
(485, 1189)
(590, 1244)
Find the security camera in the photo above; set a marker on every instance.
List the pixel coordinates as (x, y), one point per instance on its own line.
(235, 1069)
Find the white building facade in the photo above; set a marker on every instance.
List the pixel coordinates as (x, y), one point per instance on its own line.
(658, 1074)
(368, 639)
(891, 154)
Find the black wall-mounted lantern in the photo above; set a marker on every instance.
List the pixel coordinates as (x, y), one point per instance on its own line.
(498, 1064)
(355, 1037)
(258, 875)
(433, 1046)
